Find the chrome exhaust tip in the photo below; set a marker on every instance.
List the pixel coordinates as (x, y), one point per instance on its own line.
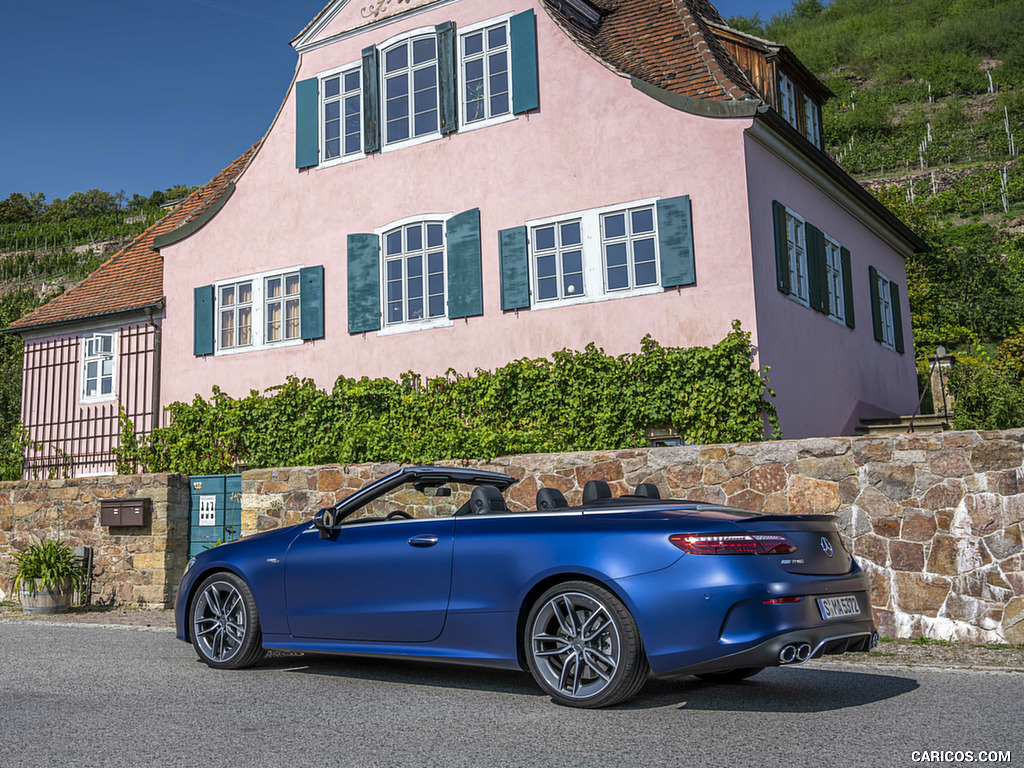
(874, 640)
(803, 652)
(788, 654)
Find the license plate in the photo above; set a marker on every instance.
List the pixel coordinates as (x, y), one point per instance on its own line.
(838, 607)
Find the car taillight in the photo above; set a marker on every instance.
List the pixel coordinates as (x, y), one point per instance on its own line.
(733, 543)
(781, 600)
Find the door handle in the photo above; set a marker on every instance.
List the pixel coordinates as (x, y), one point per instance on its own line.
(423, 540)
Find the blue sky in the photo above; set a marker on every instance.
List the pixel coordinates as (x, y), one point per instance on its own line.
(140, 95)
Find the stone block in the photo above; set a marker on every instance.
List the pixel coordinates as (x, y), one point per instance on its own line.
(872, 548)
(997, 454)
(1013, 510)
(886, 527)
(1013, 621)
(1004, 543)
(26, 509)
(945, 495)
(149, 562)
(942, 558)
(711, 495)
(920, 593)
(715, 474)
(330, 480)
(738, 465)
(852, 522)
(747, 499)
(680, 478)
(873, 449)
(810, 496)
(273, 486)
(604, 470)
(834, 468)
(876, 504)
(152, 595)
(896, 481)
(849, 490)
(881, 595)
(910, 457)
(906, 556)
(776, 504)
(563, 483)
(950, 462)
(767, 479)
(918, 525)
(985, 511)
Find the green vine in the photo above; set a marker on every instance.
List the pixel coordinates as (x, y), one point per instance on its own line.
(574, 401)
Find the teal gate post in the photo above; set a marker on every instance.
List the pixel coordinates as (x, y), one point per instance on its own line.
(215, 511)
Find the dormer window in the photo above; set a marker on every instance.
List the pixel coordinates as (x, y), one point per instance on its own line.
(787, 100)
(813, 116)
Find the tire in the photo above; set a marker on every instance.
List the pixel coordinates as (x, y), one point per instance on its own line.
(730, 675)
(583, 646)
(223, 623)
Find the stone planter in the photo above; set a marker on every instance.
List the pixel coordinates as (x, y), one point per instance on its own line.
(56, 599)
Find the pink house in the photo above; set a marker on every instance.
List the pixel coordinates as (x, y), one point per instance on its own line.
(460, 183)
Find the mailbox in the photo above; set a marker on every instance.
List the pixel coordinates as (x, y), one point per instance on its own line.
(124, 512)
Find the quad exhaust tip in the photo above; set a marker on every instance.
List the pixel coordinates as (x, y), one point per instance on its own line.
(795, 653)
(874, 640)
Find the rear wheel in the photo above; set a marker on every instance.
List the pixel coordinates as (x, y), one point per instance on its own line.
(223, 623)
(730, 675)
(583, 646)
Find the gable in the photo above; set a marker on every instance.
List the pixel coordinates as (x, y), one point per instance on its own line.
(342, 18)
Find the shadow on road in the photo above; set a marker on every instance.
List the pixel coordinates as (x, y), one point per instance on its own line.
(791, 690)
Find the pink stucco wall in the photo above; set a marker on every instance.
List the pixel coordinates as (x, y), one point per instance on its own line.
(828, 376)
(595, 141)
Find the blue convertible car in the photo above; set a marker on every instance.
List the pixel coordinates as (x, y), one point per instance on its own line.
(428, 563)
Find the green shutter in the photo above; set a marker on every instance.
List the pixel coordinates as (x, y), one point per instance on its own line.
(202, 321)
(848, 287)
(363, 283)
(446, 73)
(817, 272)
(876, 307)
(897, 316)
(523, 36)
(465, 277)
(307, 119)
(515, 268)
(781, 247)
(675, 242)
(311, 299)
(371, 100)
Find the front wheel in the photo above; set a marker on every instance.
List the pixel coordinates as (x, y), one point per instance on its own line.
(223, 623)
(583, 646)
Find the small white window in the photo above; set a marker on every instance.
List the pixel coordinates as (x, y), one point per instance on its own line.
(629, 242)
(558, 261)
(813, 122)
(342, 117)
(414, 273)
(787, 100)
(98, 367)
(258, 311)
(486, 88)
(410, 98)
(235, 314)
(796, 244)
(834, 279)
(885, 312)
(281, 294)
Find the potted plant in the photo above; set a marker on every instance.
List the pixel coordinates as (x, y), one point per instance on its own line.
(46, 576)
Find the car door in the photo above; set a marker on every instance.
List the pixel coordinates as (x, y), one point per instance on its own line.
(386, 582)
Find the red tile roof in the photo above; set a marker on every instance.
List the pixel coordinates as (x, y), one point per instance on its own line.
(666, 43)
(132, 279)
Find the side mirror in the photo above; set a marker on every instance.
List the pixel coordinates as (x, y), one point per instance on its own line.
(325, 520)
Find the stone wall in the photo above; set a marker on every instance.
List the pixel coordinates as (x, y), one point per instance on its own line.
(137, 565)
(935, 519)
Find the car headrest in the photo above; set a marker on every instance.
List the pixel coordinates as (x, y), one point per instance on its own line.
(485, 499)
(550, 498)
(648, 490)
(596, 489)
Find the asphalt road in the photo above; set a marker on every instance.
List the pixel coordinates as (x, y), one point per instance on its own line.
(94, 696)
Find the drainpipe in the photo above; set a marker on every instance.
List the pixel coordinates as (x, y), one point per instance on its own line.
(157, 345)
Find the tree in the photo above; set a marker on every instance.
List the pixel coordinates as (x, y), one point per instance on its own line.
(16, 209)
(752, 25)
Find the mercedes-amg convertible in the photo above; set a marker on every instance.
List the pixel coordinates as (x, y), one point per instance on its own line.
(428, 563)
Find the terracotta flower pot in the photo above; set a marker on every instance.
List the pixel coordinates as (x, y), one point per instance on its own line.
(55, 599)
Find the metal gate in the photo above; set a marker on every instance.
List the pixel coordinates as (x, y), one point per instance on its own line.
(215, 511)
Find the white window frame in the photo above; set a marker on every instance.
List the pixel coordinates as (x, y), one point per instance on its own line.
(219, 302)
(593, 256)
(463, 33)
(885, 311)
(86, 359)
(321, 127)
(406, 325)
(283, 299)
(630, 238)
(796, 248)
(787, 100)
(813, 122)
(411, 141)
(259, 304)
(834, 278)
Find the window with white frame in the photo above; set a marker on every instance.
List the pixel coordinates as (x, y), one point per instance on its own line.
(813, 121)
(258, 311)
(629, 244)
(885, 312)
(342, 114)
(834, 279)
(486, 88)
(414, 273)
(98, 368)
(796, 244)
(410, 89)
(787, 100)
(558, 261)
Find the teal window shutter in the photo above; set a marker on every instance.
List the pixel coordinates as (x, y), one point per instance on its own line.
(523, 36)
(515, 268)
(311, 300)
(847, 286)
(897, 317)
(202, 321)
(817, 272)
(363, 283)
(781, 247)
(465, 275)
(446, 59)
(307, 118)
(371, 100)
(675, 242)
(876, 307)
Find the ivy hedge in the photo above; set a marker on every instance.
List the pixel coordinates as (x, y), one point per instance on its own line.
(573, 401)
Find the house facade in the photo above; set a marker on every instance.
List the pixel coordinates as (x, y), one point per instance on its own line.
(461, 183)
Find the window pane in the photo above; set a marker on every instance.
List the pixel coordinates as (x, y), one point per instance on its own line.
(499, 83)
(398, 130)
(475, 70)
(437, 306)
(423, 50)
(414, 267)
(292, 317)
(498, 64)
(646, 273)
(547, 288)
(496, 37)
(615, 225)
(426, 123)
(414, 238)
(352, 144)
(396, 58)
(618, 278)
(274, 321)
(244, 326)
(394, 270)
(397, 86)
(416, 309)
(394, 242)
(570, 233)
(499, 104)
(106, 386)
(423, 79)
(435, 235)
(273, 287)
(643, 250)
(435, 262)
(395, 290)
(415, 290)
(332, 131)
(572, 262)
(473, 43)
(475, 111)
(643, 220)
(90, 388)
(352, 81)
(227, 329)
(107, 368)
(395, 312)
(544, 238)
(227, 296)
(332, 111)
(398, 110)
(245, 293)
(332, 87)
(291, 285)
(573, 285)
(435, 284)
(92, 370)
(616, 255)
(546, 266)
